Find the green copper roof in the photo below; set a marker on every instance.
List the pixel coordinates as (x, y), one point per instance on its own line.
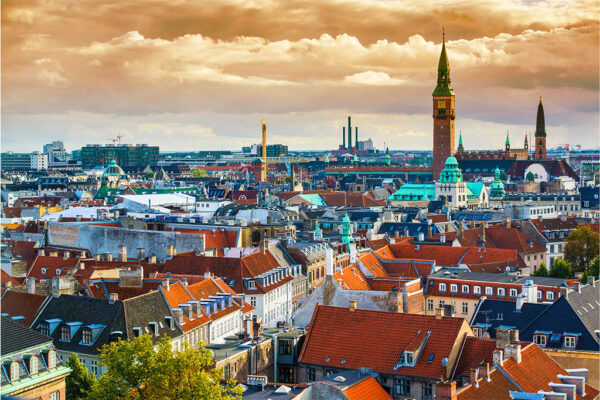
(507, 139)
(444, 87)
(451, 173)
(414, 192)
(314, 199)
(113, 169)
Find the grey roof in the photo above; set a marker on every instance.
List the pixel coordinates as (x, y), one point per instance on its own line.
(466, 275)
(17, 337)
(586, 303)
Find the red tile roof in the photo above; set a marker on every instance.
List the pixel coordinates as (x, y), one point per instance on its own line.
(45, 267)
(22, 304)
(345, 339)
(496, 236)
(373, 264)
(378, 243)
(102, 288)
(475, 351)
(351, 278)
(367, 389)
(7, 279)
(177, 294)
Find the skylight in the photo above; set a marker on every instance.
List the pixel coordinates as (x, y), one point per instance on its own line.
(431, 357)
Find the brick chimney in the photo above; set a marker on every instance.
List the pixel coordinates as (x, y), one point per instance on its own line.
(445, 390)
(352, 306)
(513, 351)
(507, 222)
(484, 371)
(31, 285)
(170, 250)
(122, 250)
(113, 297)
(498, 357)
(483, 231)
(474, 376)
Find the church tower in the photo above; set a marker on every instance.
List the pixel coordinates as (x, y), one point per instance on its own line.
(443, 115)
(540, 133)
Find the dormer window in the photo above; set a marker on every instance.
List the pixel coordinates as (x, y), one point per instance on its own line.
(513, 292)
(409, 357)
(540, 339)
(501, 292)
(44, 271)
(465, 288)
(14, 371)
(51, 359)
(45, 328)
(442, 287)
(549, 295)
(33, 365)
(251, 284)
(454, 288)
(154, 328)
(477, 290)
(65, 334)
(570, 341)
(489, 291)
(86, 336)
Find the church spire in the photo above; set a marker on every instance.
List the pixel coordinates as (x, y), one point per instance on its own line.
(460, 143)
(444, 87)
(507, 141)
(540, 124)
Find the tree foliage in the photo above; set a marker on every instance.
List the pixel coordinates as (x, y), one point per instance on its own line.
(530, 177)
(560, 269)
(541, 271)
(79, 382)
(581, 248)
(199, 173)
(593, 270)
(137, 369)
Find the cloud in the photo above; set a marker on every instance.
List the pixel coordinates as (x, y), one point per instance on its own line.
(373, 78)
(52, 78)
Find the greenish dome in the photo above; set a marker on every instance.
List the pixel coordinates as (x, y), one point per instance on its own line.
(451, 173)
(113, 170)
(326, 158)
(497, 187)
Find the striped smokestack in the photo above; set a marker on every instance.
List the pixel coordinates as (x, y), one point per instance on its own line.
(264, 139)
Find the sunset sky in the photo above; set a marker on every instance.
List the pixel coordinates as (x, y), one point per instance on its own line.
(200, 75)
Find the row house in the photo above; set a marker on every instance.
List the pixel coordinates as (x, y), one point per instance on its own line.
(408, 353)
(550, 233)
(463, 289)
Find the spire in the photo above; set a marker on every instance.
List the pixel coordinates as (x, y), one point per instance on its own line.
(460, 144)
(526, 141)
(540, 124)
(507, 139)
(443, 88)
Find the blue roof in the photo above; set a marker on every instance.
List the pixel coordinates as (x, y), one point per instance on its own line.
(511, 318)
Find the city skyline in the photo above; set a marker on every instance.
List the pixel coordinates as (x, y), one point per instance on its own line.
(192, 78)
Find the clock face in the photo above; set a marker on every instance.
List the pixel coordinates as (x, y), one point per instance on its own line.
(441, 104)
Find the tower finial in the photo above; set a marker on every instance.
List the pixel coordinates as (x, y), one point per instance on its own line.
(443, 34)
(540, 98)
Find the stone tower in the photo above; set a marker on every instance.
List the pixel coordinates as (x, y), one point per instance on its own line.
(443, 115)
(540, 133)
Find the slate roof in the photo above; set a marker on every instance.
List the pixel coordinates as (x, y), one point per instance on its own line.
(16, 337)
(343, 339)
(505, 313)
(120, 316)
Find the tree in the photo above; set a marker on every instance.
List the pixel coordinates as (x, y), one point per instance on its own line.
(199, 173)
(541, 271)
(530, 177)
(138, 369)
(561, 269)
(581, 248)
(80, 381)
(149, 175)
(503, 176)
(593, 270)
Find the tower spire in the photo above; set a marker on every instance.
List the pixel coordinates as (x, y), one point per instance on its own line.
(460, 143)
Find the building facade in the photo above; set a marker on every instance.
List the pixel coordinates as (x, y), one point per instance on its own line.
(127, 155)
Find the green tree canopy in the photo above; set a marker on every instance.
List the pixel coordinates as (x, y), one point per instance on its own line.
(561, 269)
(199, 173)
(79, 382)
(530, 177)
(137, 369)
(592, 271)
(581, 248)
(541, 270)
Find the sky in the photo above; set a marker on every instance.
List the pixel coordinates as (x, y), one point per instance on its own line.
(200, 75)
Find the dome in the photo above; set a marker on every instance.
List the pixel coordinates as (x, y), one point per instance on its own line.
(113, 170)
(326, 158)
(451, 173)
(451, 161)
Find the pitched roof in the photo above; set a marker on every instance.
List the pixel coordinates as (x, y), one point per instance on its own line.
(7, 279)
(24, 304)
(368, 388)
(16, 337)
(343, 339)
(45, 267)
(475, 351)
(351, 278)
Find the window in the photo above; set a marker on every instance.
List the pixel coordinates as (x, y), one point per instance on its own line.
(549, 295)
(65, 334)
(14, 371)
(501, 292)
(454, 288)
(477, 331)
(540, 340)
(442, 287)
(410, 357)
(52, 359)
(441, 303)
(310, 374)
(402, 386)
(476, 289)
(465, 288)
(489, 291)
(45, 329)
(427, 390)
(513, 293)
(94, 367)
(430, 304)
(251, 284)
(86, 336)
(540, 294)
(570, 342)
(33, 365)
(465, 308)
(54, 396)
(285, 347)
(227, 371)
(286, 375)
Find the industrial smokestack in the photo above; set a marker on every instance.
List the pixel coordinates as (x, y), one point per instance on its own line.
(349, 133)
(356, 137)
(264, 139)
(344, 138)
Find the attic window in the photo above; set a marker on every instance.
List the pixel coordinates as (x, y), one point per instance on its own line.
(86, 336)
(251, 284)
(65, 334)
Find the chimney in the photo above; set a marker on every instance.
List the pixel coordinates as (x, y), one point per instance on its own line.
(563, 217)
(513, 351)
(262, 246)
(152, 260)
(113, 297)
(31, 285)
(82, 254)
(507, 223)
(421, 236)
(461, 230)
(66, 254)
(484, 371)
(184, 282)
(122, 250)
(141, 253)
(498, 357)
(577, 286)
(41, 252)
(109, 257)
(591, 281)
(329, 261)
(81, 265)
(429, 230)
(445, 390)
(352, 306)
(564, 291)
(483, 231)
(505, 337)
(439, 312)
(207, 275)
(165, 283)
(352, 253)
(473, 375)
(97, 257)
(170, 250)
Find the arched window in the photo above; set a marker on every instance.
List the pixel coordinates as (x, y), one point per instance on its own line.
(52, 359)
(14, 371)
(33, 365)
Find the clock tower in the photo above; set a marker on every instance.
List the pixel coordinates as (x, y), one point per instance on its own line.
(443, 115)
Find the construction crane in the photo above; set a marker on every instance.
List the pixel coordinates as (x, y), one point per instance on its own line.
(119, 136)
(116, 139)
(113, 140)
